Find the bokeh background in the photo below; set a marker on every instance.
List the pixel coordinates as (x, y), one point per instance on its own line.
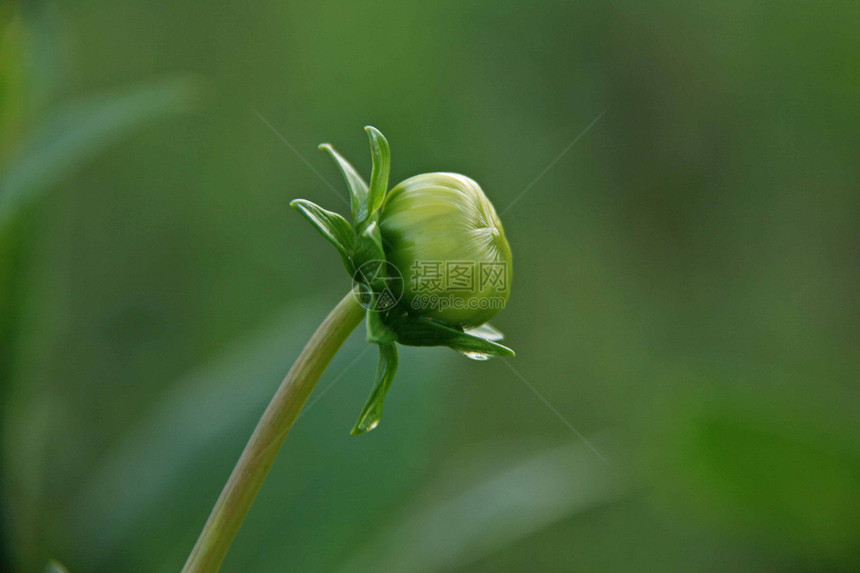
(685, 295)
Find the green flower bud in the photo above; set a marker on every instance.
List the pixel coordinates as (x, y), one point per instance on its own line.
(429, 259)
(443, 235)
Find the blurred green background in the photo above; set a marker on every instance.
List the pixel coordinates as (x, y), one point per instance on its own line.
(686, 289)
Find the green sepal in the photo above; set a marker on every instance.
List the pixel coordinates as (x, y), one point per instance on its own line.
(355, 182)
(421, 331)
(385, 370)
(381, 155)
(487, 332)
(377, 331)
(369, 249)
(331, 225)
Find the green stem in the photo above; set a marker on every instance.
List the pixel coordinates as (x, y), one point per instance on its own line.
(251, 469)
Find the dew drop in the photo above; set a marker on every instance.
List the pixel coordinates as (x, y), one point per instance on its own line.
(480, 356)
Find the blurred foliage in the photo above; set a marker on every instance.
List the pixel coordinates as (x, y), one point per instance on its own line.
(55, 567)
(76, 133)
(686, 291)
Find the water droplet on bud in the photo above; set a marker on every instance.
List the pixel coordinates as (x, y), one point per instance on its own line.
(480, 356)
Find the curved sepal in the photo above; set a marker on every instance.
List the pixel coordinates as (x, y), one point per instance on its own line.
(331, 226)
(487, 332)
(377, 331)
(357, 186)
(368, 249)
(381, 154)
(420, 331)
(371, 414)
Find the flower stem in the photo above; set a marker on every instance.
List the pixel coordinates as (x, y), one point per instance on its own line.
(251, 469)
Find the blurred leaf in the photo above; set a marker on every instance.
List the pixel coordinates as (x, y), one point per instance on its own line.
(32, 46)
(356, 184)
(79, 131)
(475, 517)
(13, 87)
(331, 226)
(55, 567)
(371, 414)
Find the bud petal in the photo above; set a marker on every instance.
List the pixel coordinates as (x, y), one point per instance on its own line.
(443, 234)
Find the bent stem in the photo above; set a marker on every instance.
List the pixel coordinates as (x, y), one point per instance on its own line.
(251, 469)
